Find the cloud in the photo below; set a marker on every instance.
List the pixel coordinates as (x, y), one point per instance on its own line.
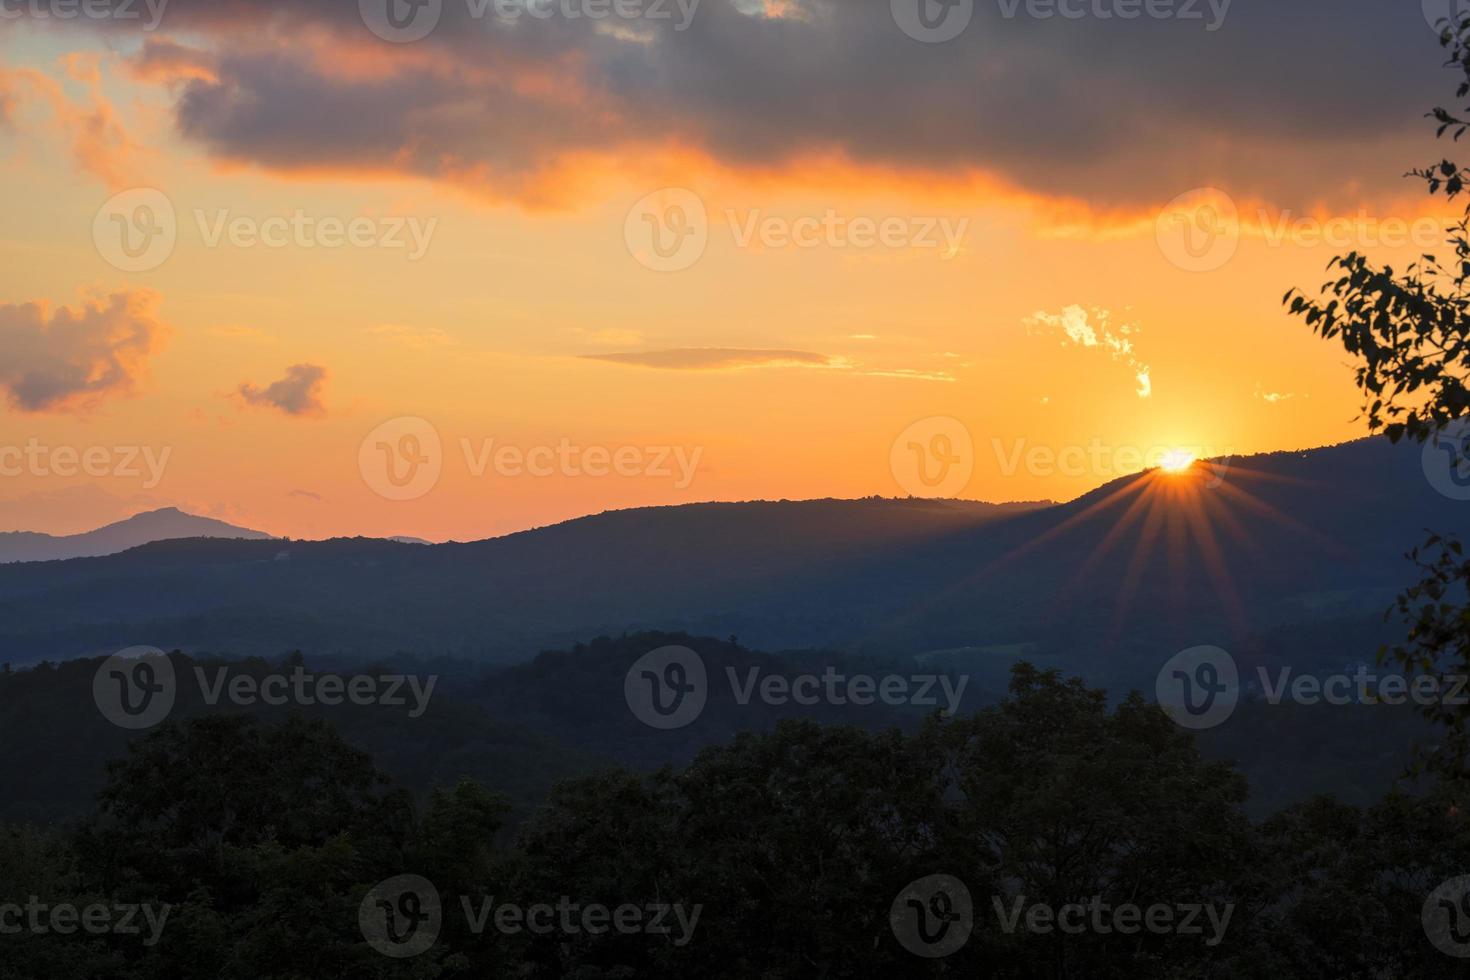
(298, 393)
(72, 359)
(1273, 397)
(162, 59)
(714, 358)
(911, 374)
(8, 100)
(1119, 112)
(732, 358)
(99, 144)
(1079, 327)
(305, 495)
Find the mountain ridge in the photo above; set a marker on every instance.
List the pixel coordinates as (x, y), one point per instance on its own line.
(145, 527)
(1147, 564)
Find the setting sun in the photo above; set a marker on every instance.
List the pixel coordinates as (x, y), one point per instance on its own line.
(1177, 461)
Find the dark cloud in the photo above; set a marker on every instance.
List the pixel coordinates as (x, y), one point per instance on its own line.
(1296, 102)
(70, 359)
(298, 393)
(713, 358)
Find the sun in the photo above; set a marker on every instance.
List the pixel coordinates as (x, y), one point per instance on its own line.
(1177, 461)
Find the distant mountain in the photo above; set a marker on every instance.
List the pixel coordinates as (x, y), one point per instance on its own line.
(1283, 558)
(155, 525)
(502, 599)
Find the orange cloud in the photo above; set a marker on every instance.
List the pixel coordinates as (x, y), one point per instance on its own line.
(298, 393)
(71, 359)
(99, 144)
(164, 60)
(714, 358)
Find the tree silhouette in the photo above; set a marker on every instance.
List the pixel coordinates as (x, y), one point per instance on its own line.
(1409, 334)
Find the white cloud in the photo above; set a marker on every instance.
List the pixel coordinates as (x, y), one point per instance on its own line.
(1080, 327)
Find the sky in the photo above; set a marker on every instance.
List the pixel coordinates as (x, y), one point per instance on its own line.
(456, 268)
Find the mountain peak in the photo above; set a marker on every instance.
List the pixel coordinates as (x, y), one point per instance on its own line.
(145, 527)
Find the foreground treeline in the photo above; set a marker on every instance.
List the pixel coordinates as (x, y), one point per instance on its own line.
(248, 850)
(519, 731)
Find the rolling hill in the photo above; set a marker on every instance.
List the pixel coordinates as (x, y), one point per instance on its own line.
(1287, 555)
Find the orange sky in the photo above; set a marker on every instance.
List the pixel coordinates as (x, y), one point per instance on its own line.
(272, 381)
